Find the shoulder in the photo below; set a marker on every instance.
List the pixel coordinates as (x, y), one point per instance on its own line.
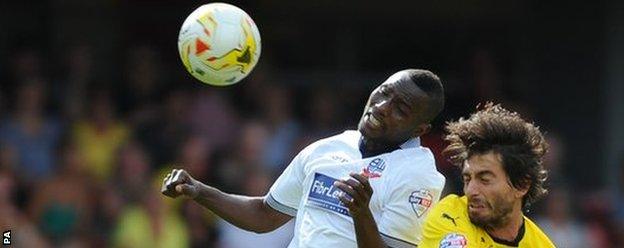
(347, 138)
(452, 204)
(449, 215)
(447, 223)
(453, 199)
(535, 235)
(417, 157)
(343, 140)
(418, 163)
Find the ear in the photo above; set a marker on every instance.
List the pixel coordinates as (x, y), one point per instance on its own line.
(521, 192)
(422, 129)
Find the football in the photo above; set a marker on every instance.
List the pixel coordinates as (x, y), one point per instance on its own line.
(219, 44)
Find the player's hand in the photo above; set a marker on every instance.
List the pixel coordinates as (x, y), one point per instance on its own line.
(359, 193)
(178, 183)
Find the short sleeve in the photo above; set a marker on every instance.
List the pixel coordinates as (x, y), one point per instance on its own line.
(408, 205)
(286, 192)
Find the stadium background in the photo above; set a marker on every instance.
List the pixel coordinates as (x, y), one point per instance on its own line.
(95, 105)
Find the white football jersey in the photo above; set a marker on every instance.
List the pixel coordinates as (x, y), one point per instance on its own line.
(405, 185)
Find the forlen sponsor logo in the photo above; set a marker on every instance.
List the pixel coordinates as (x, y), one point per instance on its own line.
(325, 195)
(320, 188)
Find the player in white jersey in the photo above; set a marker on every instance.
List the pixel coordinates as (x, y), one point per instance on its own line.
(330, 181)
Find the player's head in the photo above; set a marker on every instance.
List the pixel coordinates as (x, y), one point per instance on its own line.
(501, 159)
(402, 107)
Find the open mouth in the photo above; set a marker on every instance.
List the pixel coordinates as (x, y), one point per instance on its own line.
(476, 205)
(373, 121)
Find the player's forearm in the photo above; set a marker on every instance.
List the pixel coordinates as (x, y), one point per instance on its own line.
(366, 231)
(249, 213)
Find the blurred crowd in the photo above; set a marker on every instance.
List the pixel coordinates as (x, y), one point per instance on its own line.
(81, 161)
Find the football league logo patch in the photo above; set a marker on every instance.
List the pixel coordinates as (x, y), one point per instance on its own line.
(375, 168)
(421, 200)
(454, 240)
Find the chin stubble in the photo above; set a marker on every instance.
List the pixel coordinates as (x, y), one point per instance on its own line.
(499, 216)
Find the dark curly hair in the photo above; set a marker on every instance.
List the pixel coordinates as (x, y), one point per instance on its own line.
(520, 144)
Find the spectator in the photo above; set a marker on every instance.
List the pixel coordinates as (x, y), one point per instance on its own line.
(143, 87)
(61, 204)
(79, 73)
(163, 135)
(12, 218)
(201, 225)
(133, 171)
(283, 128)
(245, 157)
(100, 135)
(143, 224)
(559, 222)
(195, 154)
(213, 118)
(30, 133)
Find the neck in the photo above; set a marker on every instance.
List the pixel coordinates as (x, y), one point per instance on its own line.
(510, 229)
(370, 148)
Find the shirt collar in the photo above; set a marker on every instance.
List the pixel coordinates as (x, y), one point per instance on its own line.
(411, 143)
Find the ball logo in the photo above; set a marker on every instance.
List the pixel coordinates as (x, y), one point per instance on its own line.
(375, 168)
(421, 200)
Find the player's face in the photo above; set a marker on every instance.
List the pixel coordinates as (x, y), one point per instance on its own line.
(393, 112)
(491, 197)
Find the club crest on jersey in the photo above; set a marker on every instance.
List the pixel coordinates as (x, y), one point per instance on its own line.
(421, 201)
(325, 195)
(454, 240)
(374, 168)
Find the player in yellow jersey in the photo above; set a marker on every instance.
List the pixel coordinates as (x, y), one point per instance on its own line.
(501, 159)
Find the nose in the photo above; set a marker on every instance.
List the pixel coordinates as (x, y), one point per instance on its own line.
(472, 188)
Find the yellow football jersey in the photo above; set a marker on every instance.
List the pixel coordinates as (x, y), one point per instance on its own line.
(448, 226)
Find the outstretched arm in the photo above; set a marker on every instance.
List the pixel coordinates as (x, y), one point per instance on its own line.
(359, 194)
(246, 212)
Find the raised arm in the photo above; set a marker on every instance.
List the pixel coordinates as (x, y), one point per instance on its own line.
(246, 212)
(359, 194)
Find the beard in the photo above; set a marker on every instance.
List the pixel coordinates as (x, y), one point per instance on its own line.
(498, 214)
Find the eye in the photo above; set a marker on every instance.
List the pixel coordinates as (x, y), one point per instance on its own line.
(466, 180)
(485, 180)
(401, 113)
